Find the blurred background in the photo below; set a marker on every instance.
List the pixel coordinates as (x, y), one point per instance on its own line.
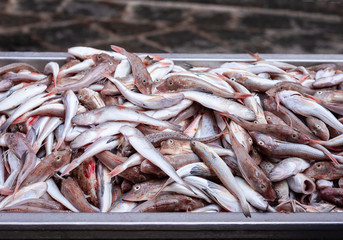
(208, 26)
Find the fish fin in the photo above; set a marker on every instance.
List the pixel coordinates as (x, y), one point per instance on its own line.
(21, 119)
(53, 91)
(303, 78)
(117, 49)
(169, 181)
(313, 98)
(117, 170)
(221, 76)
(242, 95)
(255, 55)
(315, 141)
(71, 167)
(165, 64)
(175, 127)
(5, 191)
(59, 143)
(156, 58)
(325, 151)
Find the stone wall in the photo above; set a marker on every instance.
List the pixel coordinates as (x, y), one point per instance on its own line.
(208, 26)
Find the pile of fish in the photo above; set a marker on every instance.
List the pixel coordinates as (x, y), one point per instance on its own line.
(118, 132)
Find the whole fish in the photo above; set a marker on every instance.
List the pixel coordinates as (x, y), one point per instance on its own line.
(222, 171)
(251, 172)
(70, 103)
(169, 203)
(147, 150)
(114, 113)
(148, 101)
(86, 177)
(220, 104)
(307, 107)
(72, 191)
(142, 77)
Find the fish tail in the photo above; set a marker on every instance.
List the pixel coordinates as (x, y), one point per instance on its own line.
(255, 55)
(157, 58)
(20, 119)
(117, 170)
(245, 209)
(71, 167)
(242, 95)
(59, 143)
(5, 191)
(4, 127)
(174, 127)
(117, 49)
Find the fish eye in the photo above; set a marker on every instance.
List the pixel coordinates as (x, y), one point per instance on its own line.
(99, 57)
(281, 88)
(294, 135)
(318, 165)
(319, 92)
(170, 83)
(144, 81)
(110, 63)
(255, 122)
(250, 140)
(20, 127)
(269, 118)
(137, 187)
(262, 187)
(58, 158)
(318, 127)
(233, 79)
(171, 141)
(254, 151)
(157, 80)
(260, 143)
(80, 96)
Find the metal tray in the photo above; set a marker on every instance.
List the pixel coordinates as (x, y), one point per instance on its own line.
(172, 225)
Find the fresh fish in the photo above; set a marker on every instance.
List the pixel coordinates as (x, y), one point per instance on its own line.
(222, 171)
(114, 113)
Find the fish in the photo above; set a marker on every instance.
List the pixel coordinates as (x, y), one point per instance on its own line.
(222, 171)
(142, 77)
(251, 172)
(114, 113)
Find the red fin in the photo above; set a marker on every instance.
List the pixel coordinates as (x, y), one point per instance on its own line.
(255, 55)
(157, 58)
(20, 120)
(303, 78)
(117, 49)
(221, 76)
(314, 98)
(117, 170)
(242, 95)
(165, 64)
(5, 191)
(54, 91)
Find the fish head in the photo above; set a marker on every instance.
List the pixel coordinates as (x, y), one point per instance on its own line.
(319, 170)
(168, 85)
(235, 76)
(172, 146)
(62, 157)
(263, 141)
